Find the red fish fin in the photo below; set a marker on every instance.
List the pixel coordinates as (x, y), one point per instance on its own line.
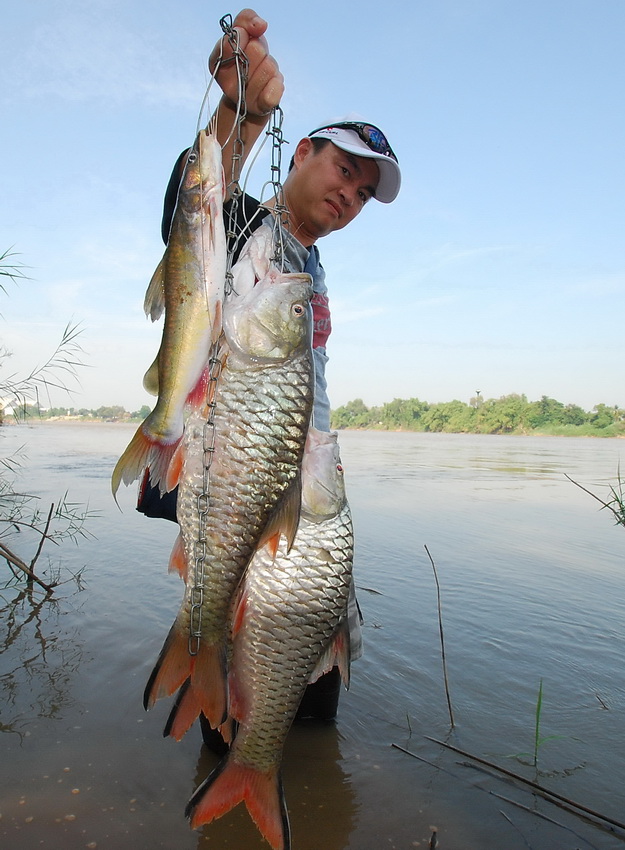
(337, 654)
(227, 730)
(272, 545)
(172, 668)
(185, 712)
(228, 785)
(239, 613)
(175, 467)
(160, 458)
(209, 682)
(177, 559)
(143, 486)
(197, 397)
(285, 518)
(154, 302)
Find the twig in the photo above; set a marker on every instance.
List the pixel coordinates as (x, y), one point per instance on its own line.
(43, 538)
(536, 813)
(617, 515)
(13, 560)
(539, 788)
(512, 823)
(415, 756)
(440, 628)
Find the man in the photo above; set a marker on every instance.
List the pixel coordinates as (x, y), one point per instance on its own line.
(334, 173)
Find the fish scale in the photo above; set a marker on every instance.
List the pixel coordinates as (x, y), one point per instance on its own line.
(263, 402)
(289, 625)
(254, 454)
(312, 585)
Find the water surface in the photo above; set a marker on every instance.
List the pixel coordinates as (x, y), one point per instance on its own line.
(532, 580)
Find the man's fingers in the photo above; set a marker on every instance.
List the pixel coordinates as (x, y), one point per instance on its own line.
(248, 20)
(265, 86)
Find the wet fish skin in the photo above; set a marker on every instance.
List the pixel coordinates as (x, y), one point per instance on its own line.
(188, 286)
(291, 625)
(263, 406)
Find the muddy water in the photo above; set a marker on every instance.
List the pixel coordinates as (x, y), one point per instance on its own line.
(532, 579)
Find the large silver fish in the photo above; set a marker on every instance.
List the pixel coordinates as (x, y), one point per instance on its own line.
(188, 285)
(263, 403)
(290, 625)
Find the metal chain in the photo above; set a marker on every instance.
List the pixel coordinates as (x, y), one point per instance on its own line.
(280, 209)
(215, 364)
(203, 504)
(234, 187)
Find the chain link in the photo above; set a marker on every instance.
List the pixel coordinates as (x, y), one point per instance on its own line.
(280, 209)
(215, 363)
(234, 188)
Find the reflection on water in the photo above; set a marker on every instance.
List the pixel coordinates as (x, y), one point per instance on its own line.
(40, 654)
(533, 587)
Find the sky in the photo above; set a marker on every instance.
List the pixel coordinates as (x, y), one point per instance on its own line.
(499, 268)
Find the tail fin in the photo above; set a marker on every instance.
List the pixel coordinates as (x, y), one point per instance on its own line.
(143, 451)
(172, 668)
(207, 673)
(184, 713)
(186, 710)
(231, 783)
(209, 683)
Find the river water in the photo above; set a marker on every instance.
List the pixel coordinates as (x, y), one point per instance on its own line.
(532, 584)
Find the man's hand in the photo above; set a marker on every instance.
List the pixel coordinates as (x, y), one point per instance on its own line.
(265, 83)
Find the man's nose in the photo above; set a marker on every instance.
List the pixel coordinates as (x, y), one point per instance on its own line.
(347, 195)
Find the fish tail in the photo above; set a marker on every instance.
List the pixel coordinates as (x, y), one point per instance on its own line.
(133, 461)
(160, 458)
(172, 668)
(175, 467)
(231, 783)
(209, 683)
(143, 451)
(185, 712)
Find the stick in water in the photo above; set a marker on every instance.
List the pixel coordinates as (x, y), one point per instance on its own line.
(440, 627)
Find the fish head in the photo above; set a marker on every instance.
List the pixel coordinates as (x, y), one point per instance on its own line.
(203, 173)
(272, 322)
(323, 483)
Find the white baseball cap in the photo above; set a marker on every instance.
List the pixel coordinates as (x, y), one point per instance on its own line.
(363, 139)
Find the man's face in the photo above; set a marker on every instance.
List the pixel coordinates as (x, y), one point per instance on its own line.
(326, 190)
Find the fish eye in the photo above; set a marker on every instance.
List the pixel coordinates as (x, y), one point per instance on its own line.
(339, 467)
(191, 157)
(298, 310)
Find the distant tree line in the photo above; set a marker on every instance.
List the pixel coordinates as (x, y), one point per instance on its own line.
(510, 414)
(106, 413)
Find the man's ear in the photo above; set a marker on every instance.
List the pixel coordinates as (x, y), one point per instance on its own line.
(303, 149)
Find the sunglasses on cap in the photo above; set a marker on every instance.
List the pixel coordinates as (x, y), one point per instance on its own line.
(372, 136)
